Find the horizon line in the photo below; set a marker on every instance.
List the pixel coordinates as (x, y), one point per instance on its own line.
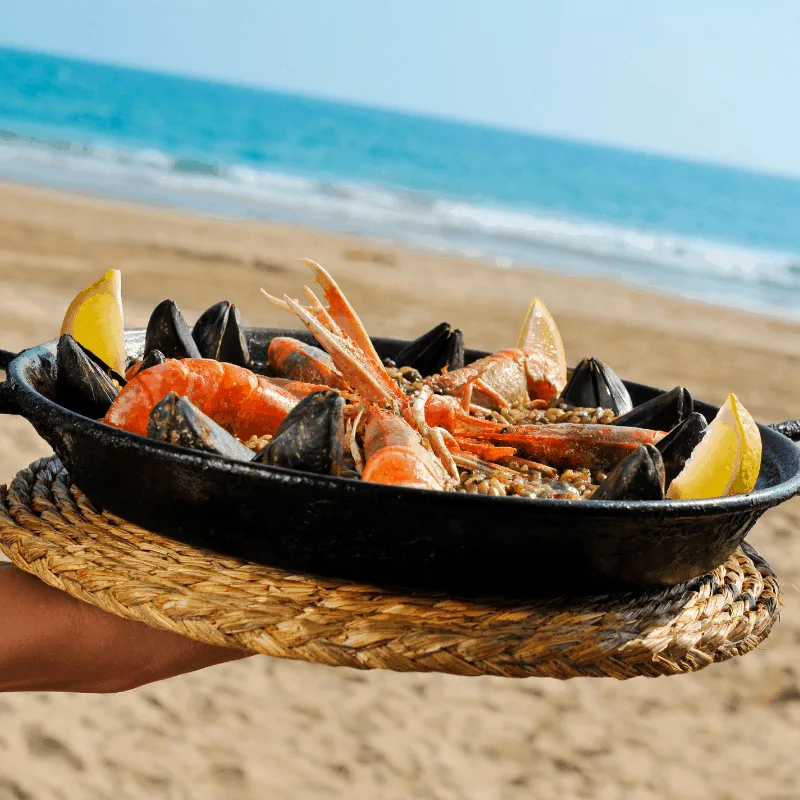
(406, 112)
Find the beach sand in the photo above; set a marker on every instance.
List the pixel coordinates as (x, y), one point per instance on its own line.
(267, 728)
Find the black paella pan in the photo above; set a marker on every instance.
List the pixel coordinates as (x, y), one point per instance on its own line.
(392, 536)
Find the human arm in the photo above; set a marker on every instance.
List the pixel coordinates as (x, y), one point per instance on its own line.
(49, 641)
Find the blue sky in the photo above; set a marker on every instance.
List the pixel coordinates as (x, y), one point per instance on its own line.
(704, 79)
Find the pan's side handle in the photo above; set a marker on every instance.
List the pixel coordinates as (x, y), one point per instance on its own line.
(790, 428)
(7, 404)
(6, 357)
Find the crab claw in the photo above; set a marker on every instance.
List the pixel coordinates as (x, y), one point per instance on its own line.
(168, 332)
(677, 446)
(662, 413)
(311, 437)
(176, 421)
(218, 334)
(639, 476)
(440, 348)
(595, 385)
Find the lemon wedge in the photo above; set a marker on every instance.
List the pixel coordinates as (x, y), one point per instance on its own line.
(95, 320)
(540, 332)
(727, 460)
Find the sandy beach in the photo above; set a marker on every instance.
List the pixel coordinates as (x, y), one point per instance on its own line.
(266, 728)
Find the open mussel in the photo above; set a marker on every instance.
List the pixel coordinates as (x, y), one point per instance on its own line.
(662, 413)
(219, 334)
(168, 332)
(595, 385)
(677, 446)
(82, 385)
(639, 476)
(440, 348)
(311, 436)
(176, 420)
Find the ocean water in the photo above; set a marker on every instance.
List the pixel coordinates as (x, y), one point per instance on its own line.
(722, 235)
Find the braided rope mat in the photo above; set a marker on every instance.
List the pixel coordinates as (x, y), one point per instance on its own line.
(48, 528)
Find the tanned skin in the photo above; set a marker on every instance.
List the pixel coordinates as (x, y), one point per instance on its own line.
(51, 642)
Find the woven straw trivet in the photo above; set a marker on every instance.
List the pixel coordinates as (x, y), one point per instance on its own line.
(48, 528)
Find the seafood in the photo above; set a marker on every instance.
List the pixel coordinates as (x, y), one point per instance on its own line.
(81, 385)
(168, 332)
(396, 456)
(639, 476)
(311, 436)
(530, 371)
(440, 349)
(662, 413)
(153, 357)
(508, 424)
(595, 385)
(235, 398)
(678, 445)
(292, 359)
(176, 421)
(218, 334)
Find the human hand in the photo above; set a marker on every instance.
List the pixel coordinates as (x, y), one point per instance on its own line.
(51, 642)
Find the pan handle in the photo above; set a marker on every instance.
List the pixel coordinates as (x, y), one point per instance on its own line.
(7, 404)
(6, 357)
(790, 428)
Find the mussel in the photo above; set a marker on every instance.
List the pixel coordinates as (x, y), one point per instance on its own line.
(219, 334)
(168, 332)
(639, 476)
(440, 348)
(677, 446)
(81, 384)
(662, 413)
(152, 359)
(311, 436)
(176, 420)
(595, 385)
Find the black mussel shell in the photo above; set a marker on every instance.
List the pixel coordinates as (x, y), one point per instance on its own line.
(113, 374)
(594, 384)
(311, 436)
(677, 446)
(176, 420)
(662, 413)
(440, 348)
(168, 332)
(219, 334)
(639, 476)
(152, 359)
(82, 385)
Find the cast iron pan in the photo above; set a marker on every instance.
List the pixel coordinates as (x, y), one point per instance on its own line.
(397, 537)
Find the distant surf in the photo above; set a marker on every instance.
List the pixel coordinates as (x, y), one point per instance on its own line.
(719, 235)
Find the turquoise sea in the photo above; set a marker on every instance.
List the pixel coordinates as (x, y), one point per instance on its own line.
(724, 235)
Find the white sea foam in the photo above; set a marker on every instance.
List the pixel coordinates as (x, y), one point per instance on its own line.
(717, 272)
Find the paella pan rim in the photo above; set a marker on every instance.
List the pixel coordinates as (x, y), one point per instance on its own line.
(115, 437)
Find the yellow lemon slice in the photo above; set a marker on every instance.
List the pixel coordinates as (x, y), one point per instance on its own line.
(727, 460)
(540, 333)
(94, 319)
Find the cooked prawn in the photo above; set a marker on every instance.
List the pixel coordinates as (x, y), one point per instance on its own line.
(234, 397)
(295, 360)
(395, 454)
